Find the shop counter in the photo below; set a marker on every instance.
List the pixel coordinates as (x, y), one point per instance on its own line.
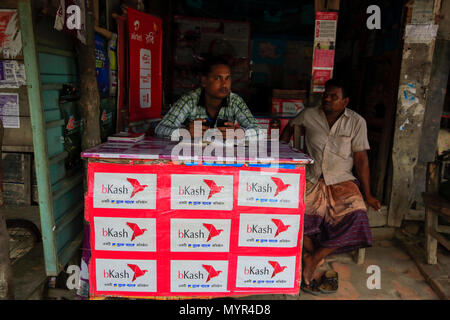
(168, 224)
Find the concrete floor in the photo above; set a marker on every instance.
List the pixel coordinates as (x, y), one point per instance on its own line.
(400, 277)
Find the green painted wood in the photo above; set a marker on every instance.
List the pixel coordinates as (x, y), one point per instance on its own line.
(52, 78)
(59, 157)
(55, 123)
(68, 216)
(68, 200)
(52, 115)
(56, 51)
(52, 86)
(55, 141)
(50, 99)
(55, 64)
(68, 233)
(57, 173)
(70, 248)
(39, 137)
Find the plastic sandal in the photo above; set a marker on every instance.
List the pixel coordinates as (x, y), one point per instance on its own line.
(312, 288)
(329, 282)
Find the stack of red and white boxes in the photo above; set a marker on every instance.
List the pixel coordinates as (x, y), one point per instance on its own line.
(166, 230)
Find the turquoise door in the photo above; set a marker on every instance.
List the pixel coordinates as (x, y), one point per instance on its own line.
(50, 62)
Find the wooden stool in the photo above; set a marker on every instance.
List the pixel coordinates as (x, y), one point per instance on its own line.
(435, 206)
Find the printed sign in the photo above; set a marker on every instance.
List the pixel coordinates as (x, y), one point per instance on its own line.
(201, 192)
(324, 49)
(9, 110)
(268, 230)
(125, 275)
(279, 190)
(145, 45)
(10, 35)
(124, 190)
(198, 276)
(200, 235)
(265, 272)
(125, 234)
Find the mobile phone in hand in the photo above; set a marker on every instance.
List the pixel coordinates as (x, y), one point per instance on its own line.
(220, 123)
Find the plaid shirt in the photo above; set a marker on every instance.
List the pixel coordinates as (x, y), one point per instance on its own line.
(190, 107)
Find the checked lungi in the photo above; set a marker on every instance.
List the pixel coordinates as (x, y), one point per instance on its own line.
(336, 216)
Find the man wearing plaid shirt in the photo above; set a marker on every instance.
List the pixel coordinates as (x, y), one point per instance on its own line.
(213, 105)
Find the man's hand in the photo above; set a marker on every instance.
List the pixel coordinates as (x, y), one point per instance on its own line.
(223, 129)
(199, 122)
(373, 202)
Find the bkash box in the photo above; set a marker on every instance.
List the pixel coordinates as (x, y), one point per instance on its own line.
(288, 102)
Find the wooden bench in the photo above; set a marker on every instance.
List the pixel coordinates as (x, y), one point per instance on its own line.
(435, 206)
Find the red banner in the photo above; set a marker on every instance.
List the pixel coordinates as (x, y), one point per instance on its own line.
(145, 54)
(174, 231)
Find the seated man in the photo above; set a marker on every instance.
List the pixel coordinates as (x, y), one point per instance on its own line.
(212, 105)
(335, 216)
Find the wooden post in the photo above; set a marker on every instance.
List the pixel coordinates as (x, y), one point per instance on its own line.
(89, 95)
(6, 285)
(413, 94)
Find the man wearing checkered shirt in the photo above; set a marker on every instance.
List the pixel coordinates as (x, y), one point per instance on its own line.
(212, 105)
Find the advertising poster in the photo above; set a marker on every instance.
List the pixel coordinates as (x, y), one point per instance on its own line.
(237, 232)
(9, 110)
(101, 65)
(10, 36)
(324, 49)
(321, 76)
(145, 51)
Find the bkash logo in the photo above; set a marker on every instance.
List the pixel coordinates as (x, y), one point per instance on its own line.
(136, 230)
(258, 229)
(254, 271)
(200, 191)
(118, 190)
(199, 234)
(112, 274)
(276, 268)
(137, 187)
(213, 232)
(281, 227)
(187, 275)
(137, 271)
(281, 186)
(212, 273)
(213, 188)
(256, 187)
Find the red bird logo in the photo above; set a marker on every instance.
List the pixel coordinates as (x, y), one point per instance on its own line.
(281, 186)
(137, 271)
(213, 232)
(136, 230)
(212, 273)
(276, 268)
(280, 225)
(213, 187)
(137, 187)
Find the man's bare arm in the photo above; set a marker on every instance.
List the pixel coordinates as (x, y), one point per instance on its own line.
(288, 131)
(361, 162)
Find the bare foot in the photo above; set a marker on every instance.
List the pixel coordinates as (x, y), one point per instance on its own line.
(308, 268)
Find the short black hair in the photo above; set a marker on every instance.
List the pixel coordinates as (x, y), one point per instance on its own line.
(337, 83)
(212, 62)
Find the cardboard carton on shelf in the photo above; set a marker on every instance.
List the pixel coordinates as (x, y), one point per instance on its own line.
(288, 102)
